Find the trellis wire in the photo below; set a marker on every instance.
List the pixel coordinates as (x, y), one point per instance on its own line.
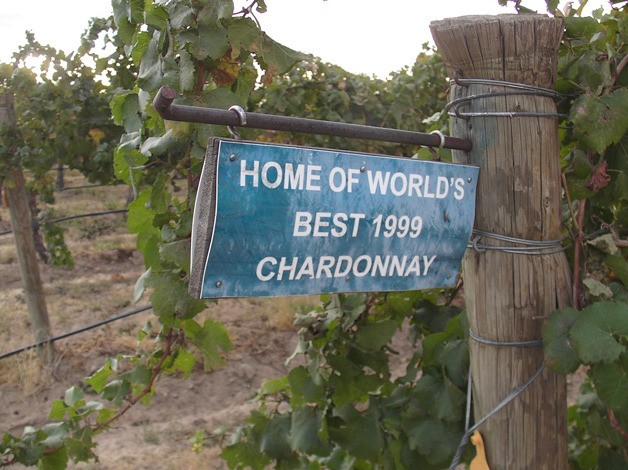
(70, 217)
(77, 331)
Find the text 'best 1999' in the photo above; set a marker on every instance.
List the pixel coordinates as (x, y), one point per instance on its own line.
(293, 220)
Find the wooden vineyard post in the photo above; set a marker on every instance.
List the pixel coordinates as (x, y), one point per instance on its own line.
(14, 187)
(514, 132)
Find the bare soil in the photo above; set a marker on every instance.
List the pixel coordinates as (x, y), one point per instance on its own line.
(99, 286)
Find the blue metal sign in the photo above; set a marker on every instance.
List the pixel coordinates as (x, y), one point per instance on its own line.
(281, 220)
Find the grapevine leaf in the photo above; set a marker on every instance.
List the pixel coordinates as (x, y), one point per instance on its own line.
(116, 391)
(125, 109)
(619, 266)
(272, 56)
(72, 396)
(274, 386)
(140, 286)
(55, 434)
(581, 27)
(442, 399)
(186, 71)
(57, 460)
(150, 72)
(611, 383)
(216, 10)
(210, 42)
(181, 15)
(177, 253)
(98, 379)
(139, 375)
(601, 121)
(304, 389)
(211, 338)
(140, 218)
(126, 163)
(184, 362)
(593, 333)
(156, 16)
(274, 440)
(362, 436)
(306, 424)
(375, 336)
(155, 146)
(57, 412)
(160, 198)
(560, 355)
(434, 439)
(170, 299)
(139, 48)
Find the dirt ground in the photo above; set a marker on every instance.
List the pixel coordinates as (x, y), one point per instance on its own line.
(101, 285)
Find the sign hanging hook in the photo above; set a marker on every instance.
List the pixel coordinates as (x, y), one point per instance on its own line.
(242, 115)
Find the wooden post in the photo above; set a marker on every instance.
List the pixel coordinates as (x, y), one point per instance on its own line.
(508, 295)
(19, 210)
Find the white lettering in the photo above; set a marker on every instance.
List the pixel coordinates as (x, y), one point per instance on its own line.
(244, 173)
(260, 275)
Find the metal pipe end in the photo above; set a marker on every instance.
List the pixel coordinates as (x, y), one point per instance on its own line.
(163, 100)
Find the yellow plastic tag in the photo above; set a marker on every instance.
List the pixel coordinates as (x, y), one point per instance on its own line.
(479, 461)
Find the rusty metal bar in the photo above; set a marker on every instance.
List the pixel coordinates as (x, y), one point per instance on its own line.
(174, 112)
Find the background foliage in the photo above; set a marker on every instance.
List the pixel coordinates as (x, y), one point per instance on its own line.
(345, 403)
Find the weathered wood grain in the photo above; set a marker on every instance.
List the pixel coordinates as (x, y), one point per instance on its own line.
(14, 187)
(507, 295)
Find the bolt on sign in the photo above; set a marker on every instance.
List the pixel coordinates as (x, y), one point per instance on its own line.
(275, 220)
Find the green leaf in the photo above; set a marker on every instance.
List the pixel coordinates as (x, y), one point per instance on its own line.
(441, 399)
(156, 16)
(170, 298)
(116, 391)
(210, 42)
(611, 383)
(186, 71)
(160, 197)
(127, 163)
(215, 10)
(125, 109)
(306, 425)
(57, 460)
(375, 336)
(98, 379)
(273, 57)
(581, 27)
(211, 339)
(434, 439)
(304, 389)
(177, 253)
(72, 396)
(184, 362)
(150, 73)
(560, 356)
(619, 266)
(139, 217)
(362, 435)
(274, 440)
(593, 334)
(274, 386)
(181, 15)
(600, 121)
(156, 146)
(57, 411)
